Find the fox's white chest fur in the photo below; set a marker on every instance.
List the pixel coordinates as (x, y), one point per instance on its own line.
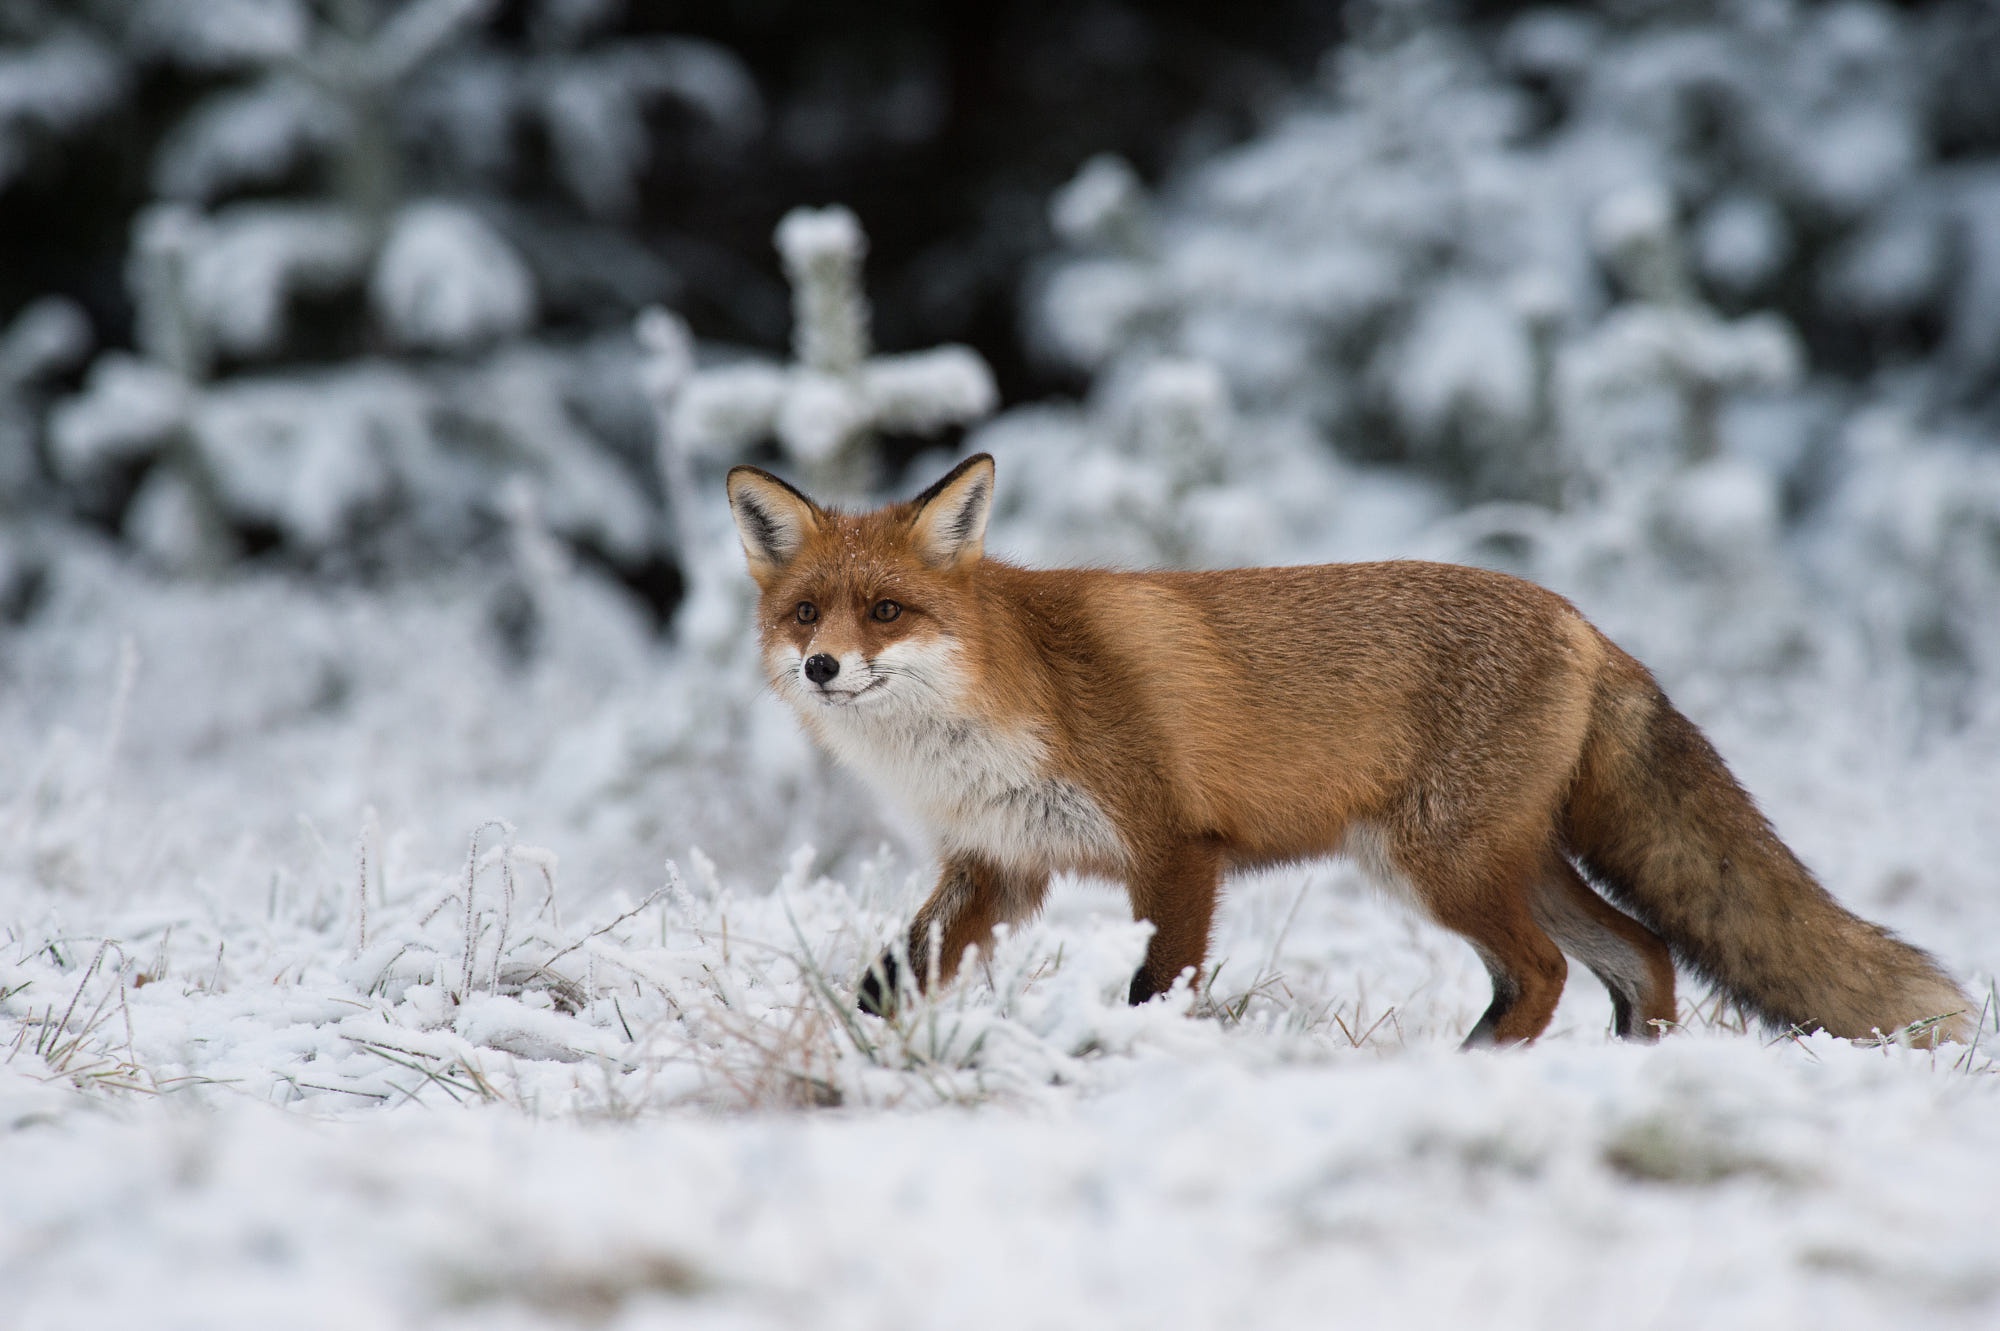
(977, 788)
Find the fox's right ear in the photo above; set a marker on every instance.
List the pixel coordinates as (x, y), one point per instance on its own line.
(772, 519)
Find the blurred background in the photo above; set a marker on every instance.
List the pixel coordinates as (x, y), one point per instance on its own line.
(368, 369)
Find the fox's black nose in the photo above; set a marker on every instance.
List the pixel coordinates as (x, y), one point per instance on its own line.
(821, 667)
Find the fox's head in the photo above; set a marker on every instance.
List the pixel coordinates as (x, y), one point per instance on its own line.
(863, 610)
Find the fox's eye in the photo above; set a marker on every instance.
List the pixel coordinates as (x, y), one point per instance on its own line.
(807, 612)
(887, 610)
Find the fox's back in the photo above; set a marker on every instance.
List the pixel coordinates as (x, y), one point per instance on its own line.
(1281, 704)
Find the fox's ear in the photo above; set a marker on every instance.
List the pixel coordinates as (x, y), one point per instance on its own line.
(772, 519)
(949, 528)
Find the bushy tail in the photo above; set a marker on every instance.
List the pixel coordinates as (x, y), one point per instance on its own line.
(1659, 822)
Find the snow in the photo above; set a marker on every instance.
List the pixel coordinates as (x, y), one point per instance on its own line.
(595, 105)
(247, 262)
(922, 392)
(666, 362)
(726, 409)
(518, 399)
(326, 458)
(1104, 204)
(446, 280)
(598, 135)
(129, 409)
(822, 249)
(412, 33)
(1742, 241)
(246, 138)
(591, 98)
(172, 523)
(1891, 267)
(50, 335)
(1466, 360)
(1148, 1200)
(604, 1107)
(346, 1065)
(50, 87)
(300, 458)
(46, 339)
(221, 34)
(1089, 308)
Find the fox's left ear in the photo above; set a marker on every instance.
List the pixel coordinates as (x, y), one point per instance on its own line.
(949, 529)
(772, 519)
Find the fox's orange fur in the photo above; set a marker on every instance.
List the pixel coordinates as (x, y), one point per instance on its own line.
(1468, 736)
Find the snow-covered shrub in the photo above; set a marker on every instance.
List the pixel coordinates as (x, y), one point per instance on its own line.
(223, 35)
(129, 410)
(1645, 388)
(246, 137)
(586, 95)
(445, 280)
(828, 408)
(1636, 428)
(51, 87)
(1917, 545)
(371, 450)
(1576, 271)
(1393, 267)
(328, 194)
(1159, 467)
(326, 94)
(243, 269)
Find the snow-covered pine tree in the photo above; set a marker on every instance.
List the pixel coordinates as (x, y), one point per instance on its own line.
(830, 405)
(335, 301)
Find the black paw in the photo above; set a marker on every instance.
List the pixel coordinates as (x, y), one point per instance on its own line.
(1143, 988)
(877, 996)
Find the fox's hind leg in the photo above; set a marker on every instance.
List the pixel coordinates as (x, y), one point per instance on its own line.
(971, 897)
(1629, 958)
(1482, 892)
(1527, 969)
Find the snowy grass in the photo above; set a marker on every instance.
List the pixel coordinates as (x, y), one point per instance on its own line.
(470, 987)
(295, 1030)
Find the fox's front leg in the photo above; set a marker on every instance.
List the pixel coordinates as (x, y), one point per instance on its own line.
(972, 896)
(1175, 889)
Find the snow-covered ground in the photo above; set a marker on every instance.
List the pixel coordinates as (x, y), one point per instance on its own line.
(265, 1066)
(396, 931)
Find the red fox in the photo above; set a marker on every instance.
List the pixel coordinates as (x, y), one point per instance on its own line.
(1467, 736)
